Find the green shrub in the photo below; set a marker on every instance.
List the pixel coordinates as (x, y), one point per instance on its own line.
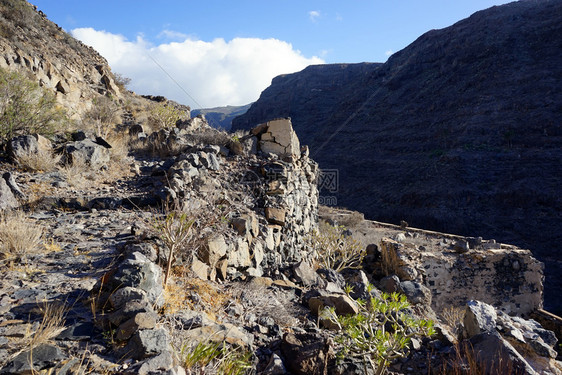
(379, 333)
(26, 108)
(334, 250)
(163, 116)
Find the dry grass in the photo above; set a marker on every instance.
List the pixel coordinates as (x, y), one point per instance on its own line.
(453, 317)
(19, 236)
(468, 362)
(51, 325)
(41, 161)
(74, 173)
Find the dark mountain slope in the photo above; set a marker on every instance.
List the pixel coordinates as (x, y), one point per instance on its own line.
(459, 132)
(221, 117)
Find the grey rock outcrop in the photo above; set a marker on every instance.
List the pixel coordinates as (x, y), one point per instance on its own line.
(458, 132)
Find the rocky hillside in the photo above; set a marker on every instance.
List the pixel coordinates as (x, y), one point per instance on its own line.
(221, 117)
(76, 73)
(458, 132)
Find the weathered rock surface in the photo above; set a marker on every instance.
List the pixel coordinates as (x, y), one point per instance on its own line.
(458, 132)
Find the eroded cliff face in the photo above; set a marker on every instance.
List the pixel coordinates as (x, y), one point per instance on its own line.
(459, 132)
(74, 72)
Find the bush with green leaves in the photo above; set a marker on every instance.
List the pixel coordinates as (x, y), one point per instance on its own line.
(335, 250)
(379, 333)
(26, 108)
(163, 116)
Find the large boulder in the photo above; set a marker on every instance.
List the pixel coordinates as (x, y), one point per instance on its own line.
(88, 151)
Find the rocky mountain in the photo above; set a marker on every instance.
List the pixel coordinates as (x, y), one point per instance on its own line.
(156, 244)
(458, 132)
(221, 117)
(31, 43)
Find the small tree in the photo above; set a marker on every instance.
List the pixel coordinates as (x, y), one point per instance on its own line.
(25, 107)
(175, 231)
(379, 333)
(334, 250)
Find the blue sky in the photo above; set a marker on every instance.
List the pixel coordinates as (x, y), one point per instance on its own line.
(215, 53)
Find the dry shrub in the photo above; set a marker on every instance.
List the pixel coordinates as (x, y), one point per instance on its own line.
(41, 161)
(210, 137)
(19, 236)
(51, 325)
(269, 302)
(334, 250)
(453, 317)
(467, 361)
(351, 220)
(74, 172)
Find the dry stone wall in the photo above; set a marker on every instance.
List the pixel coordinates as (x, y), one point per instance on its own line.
(504, 276)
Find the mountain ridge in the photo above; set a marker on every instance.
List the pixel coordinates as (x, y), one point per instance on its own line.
(458, 132)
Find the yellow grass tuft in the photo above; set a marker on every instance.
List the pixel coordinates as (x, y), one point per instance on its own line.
(19, 236)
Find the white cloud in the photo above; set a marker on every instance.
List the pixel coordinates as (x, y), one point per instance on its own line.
(214, 73)
(314, 15)
(172, 35)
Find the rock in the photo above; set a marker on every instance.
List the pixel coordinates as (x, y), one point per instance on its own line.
(390, 284)
(138, 272)
(416, 293)
(275, 215)
(89, 152)
(123, 296)
(209, 160)
(12, 184)
(160, 364)
(528, 334)
(214, 250)
(274, 366)
(305, 353)
(7, 198)
(40, 358)
(148, 343)
(28, 144)
(144, 248)
(200, 269)
(77, 332)
(240, 256)
(342, 303)
(219, 333)
(479, 317)
(280, 139)
(492, 351)
(141, 321)
(305, 274)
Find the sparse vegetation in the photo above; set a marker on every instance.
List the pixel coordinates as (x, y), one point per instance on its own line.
(453, 316)
(40, 161)
(121, 81)
(102, 115)
(334, 250)
(26, 108)
(175, 231)
(216, 358)
(163, 116)
(19, 236)
(52, 324)
(379, 333)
